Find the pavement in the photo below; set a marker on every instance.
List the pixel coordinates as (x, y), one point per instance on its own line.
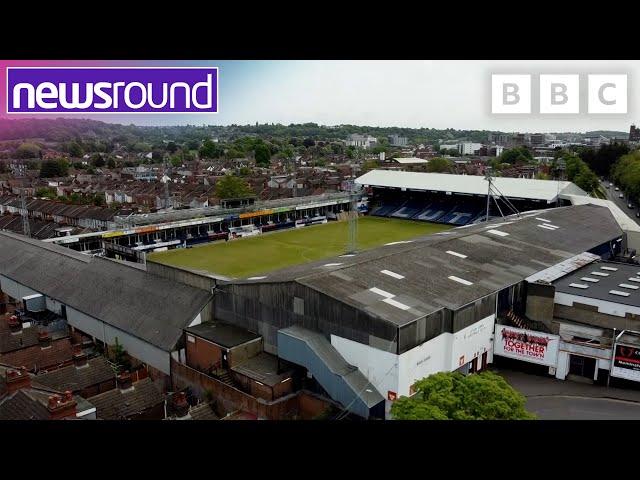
(538, 386)
(553, 399)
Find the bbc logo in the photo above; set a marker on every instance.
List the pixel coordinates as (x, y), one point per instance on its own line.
(559, 94)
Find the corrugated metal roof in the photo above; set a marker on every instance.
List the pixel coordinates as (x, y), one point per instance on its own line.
(491, 264)
(147, 306)
(546, 190)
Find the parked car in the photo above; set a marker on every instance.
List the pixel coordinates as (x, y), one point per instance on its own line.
(638, 214)
(630, 205)
(617, 189)
(621, 196)
(608, 186)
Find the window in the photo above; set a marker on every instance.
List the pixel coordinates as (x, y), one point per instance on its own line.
(298, 306)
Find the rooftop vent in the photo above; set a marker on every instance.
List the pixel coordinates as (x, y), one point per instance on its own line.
(619, 293)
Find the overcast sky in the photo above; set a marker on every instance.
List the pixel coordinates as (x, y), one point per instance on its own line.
(436, 94)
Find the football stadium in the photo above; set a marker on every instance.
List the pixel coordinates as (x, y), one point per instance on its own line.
(244, 257)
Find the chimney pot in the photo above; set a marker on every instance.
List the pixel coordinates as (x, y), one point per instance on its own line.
(44, 339)
(53, 402)
(124, 380)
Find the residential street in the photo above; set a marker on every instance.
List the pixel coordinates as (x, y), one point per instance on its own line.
(620, 202)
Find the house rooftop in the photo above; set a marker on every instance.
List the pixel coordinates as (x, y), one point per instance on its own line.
(117, 404)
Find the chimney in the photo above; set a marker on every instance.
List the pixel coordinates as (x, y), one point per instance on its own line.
(44, 339)
(17, 379)
(124, 381)
(15, 325)
(61, 406)
(180, 404)
(80, 359)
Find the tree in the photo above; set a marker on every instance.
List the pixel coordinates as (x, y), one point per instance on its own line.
(54, 168)
(172, 147)
(516, 155)
(111, 163)
(120, 357)
(454, 396)
(369, 165)
(97, 160)
(28, 150)
(210, 149)
(75, 150)
(46, 192)
(308, 142)
(439, 165)
(262, 155)
(231, 186)
(176, 161)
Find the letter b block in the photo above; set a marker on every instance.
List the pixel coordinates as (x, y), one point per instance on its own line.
(559, 94)
(510, 93)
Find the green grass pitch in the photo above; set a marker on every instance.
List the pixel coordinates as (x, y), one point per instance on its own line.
(254, 255)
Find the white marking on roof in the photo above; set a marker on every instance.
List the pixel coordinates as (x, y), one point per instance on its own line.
(609, 268)
(381, 292)
(398, 243)
(348, 255)
(255, 278)
(599, 274)
(392, 274)
(546, 227)
(578, 285)
(543, 220)
(634, 279)
(460, 280)
(498, 232)
(589, 279)
(630, 287)
(619, 293)
(332, 264)
(396, 304)
(456, 254)
(555, 227)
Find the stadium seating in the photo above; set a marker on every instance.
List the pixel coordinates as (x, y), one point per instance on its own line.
(409, 209)
(460, 215)
(433, 212)
(386, 209)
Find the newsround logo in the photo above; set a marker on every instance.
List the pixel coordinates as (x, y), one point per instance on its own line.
(42, 90)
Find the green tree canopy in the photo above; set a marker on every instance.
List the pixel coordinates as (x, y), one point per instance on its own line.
(516, 155)
(439, 165)
(54, 168)
(210, 149)
(454, 396)
(28, 150)
(262, 155)
(231, 186)
(75, 150)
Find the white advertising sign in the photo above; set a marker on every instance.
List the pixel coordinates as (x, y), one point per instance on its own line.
(526, 345)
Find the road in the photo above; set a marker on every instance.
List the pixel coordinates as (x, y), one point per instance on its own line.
(620, 202)
(582, 408)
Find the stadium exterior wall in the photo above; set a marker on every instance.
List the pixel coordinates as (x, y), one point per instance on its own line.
(266, 308)
(393, 375)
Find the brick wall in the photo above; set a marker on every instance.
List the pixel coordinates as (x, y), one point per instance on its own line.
(229, 399)
(201, 354)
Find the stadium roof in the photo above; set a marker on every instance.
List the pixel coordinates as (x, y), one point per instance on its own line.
(409, 160)
(403, 281)
(626, 223)
(144, 305)
(524, 188)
